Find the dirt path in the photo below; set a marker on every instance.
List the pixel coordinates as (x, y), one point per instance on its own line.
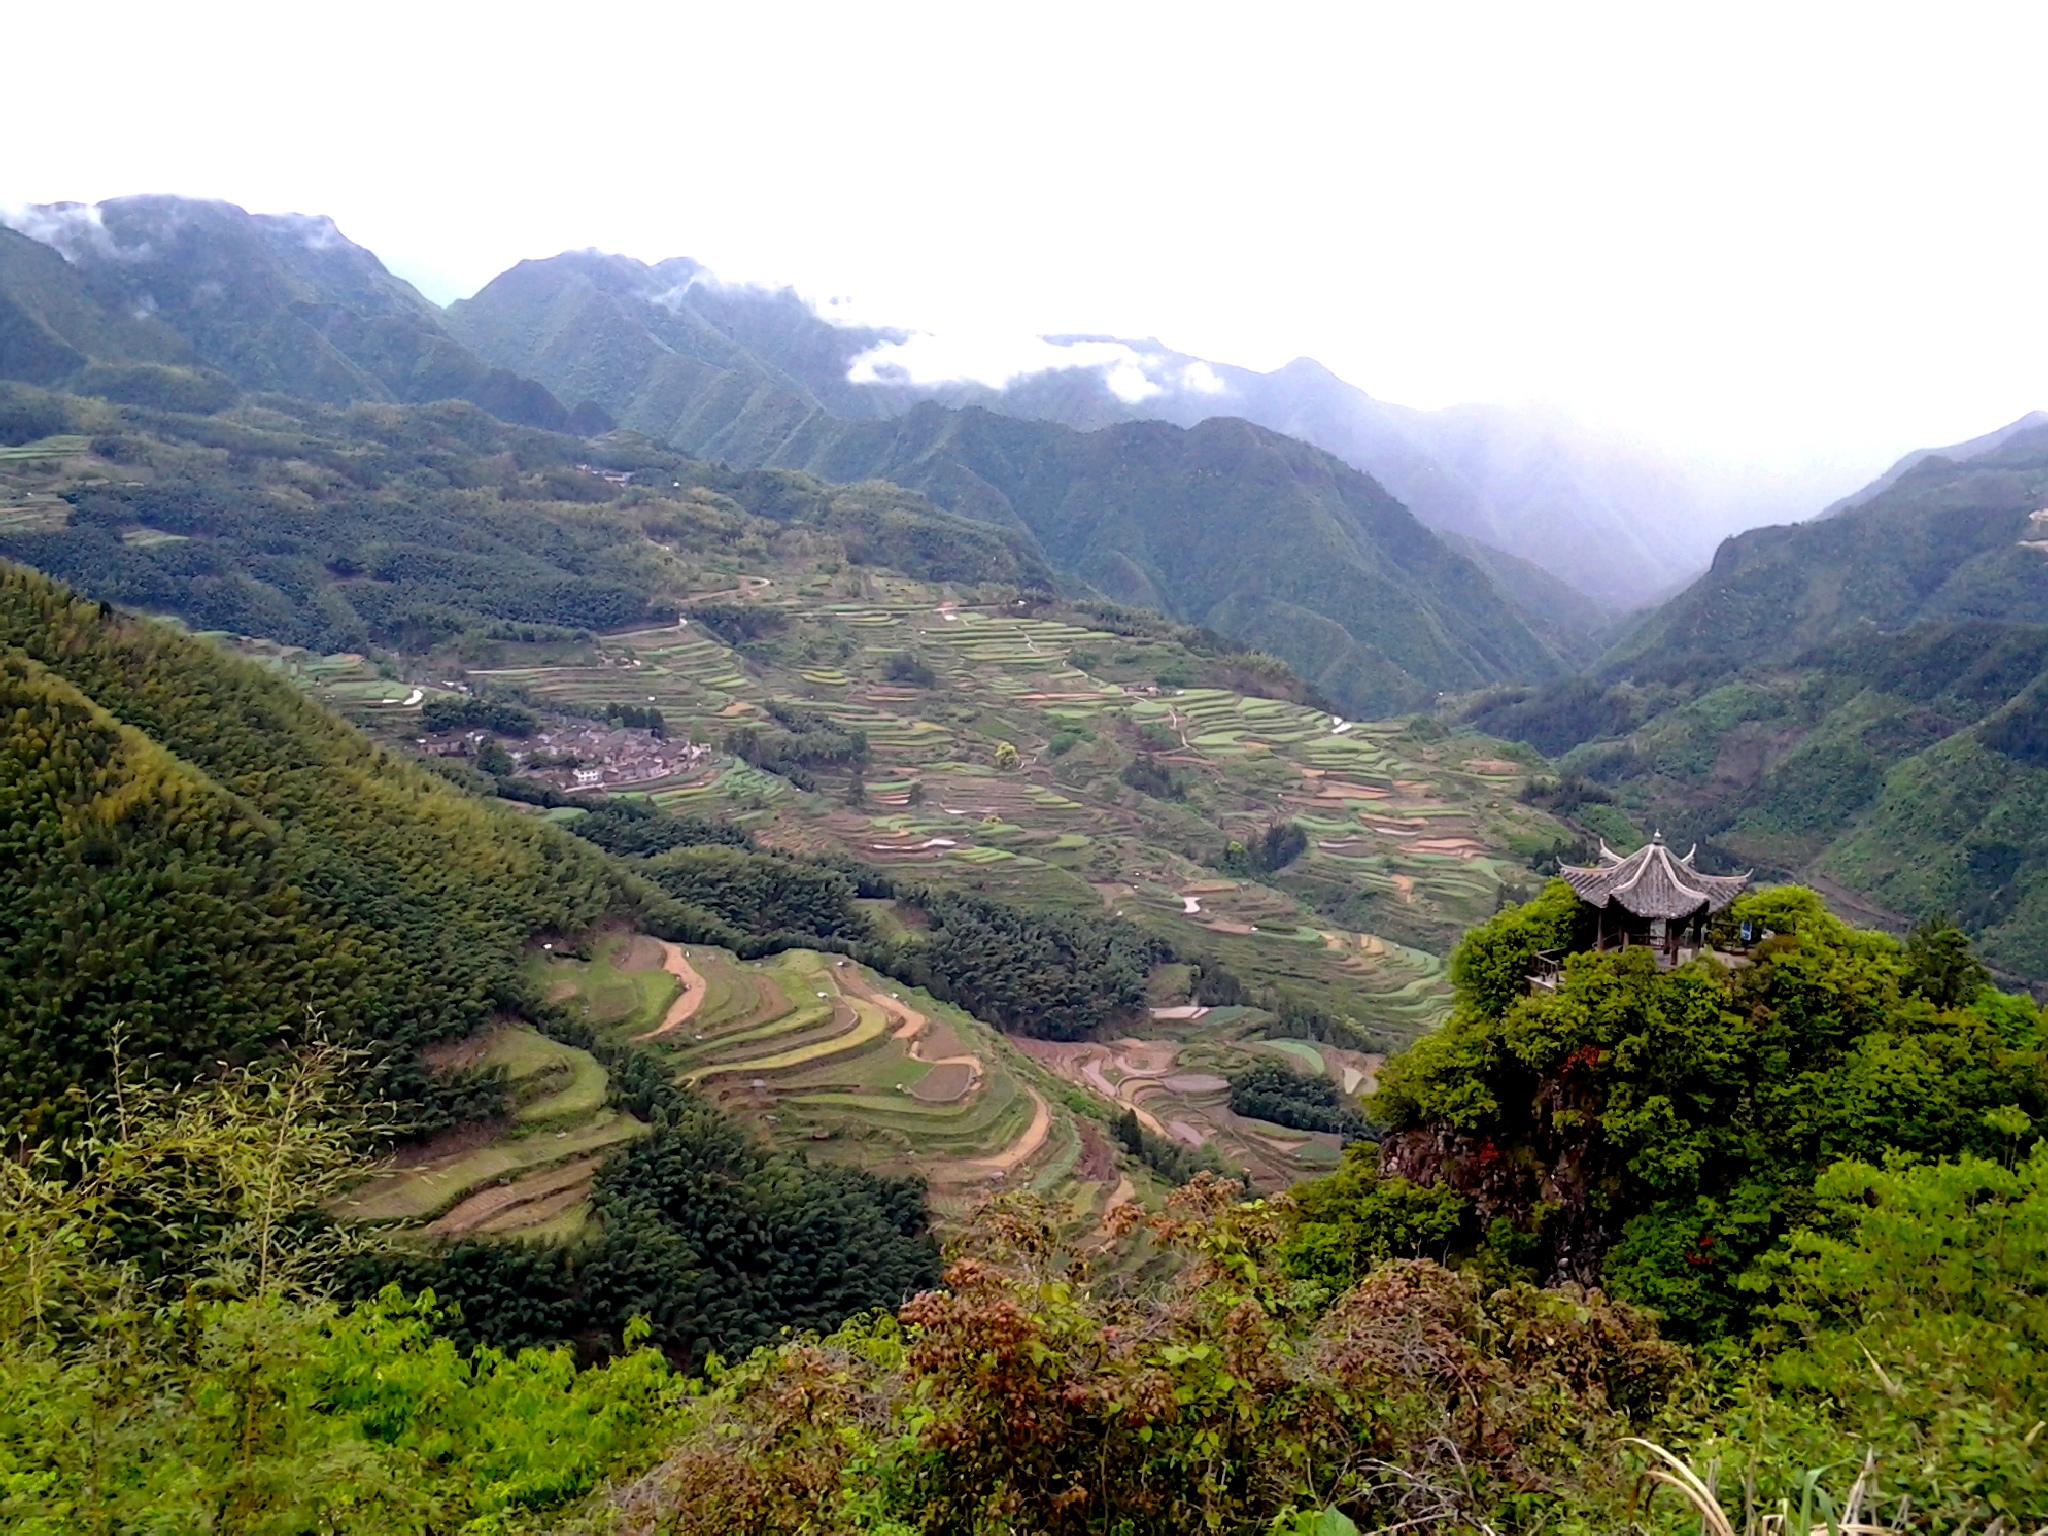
(685, 1007)
(910, 1025)
(481, 1207)
(1083, 1064)
(909, 1022)
(1124, 1193)
(1032, 1139)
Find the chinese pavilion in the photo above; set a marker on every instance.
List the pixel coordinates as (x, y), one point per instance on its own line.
(1651, 897)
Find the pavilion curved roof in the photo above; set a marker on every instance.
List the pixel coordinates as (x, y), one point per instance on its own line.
(1652, 882)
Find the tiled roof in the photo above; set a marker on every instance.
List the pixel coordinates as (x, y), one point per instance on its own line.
(1652, 883)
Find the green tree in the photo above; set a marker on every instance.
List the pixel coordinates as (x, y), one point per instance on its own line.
(168, 1360)
(1348, 1221)
(1657, 1130)
(1940, 965)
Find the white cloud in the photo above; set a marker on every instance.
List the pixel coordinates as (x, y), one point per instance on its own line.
(980, 357)
(66, 228)
(1763, 235)
(1128, 381)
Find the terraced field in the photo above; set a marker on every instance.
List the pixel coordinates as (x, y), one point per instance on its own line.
(1140, 766)
(351, 684)
(528, 1177)
(814, 1049)
(1176, 1079)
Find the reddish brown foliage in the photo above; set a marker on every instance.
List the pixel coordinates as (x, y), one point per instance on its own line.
(1020, 1398)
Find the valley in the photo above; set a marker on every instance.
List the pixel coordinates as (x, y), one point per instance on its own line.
(1416, 834)
(1410, 834)
(953, 728)
(854, 956)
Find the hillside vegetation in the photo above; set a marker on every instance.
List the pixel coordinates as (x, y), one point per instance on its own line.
(727, 368)
(1227, 525)
(1657, 1131)
(336, 530)
(1856, 699)
(182, 304)
(1375, 1352)
(215, 858)
(206, 869)
(494, 919)
(869, 682)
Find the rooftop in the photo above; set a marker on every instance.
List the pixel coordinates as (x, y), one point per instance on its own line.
(1651, 882)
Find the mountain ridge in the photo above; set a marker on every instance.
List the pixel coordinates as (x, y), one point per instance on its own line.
(1969, 449)
(1856, 699)
(1377, 630)
(1533, 486)
(110, 296)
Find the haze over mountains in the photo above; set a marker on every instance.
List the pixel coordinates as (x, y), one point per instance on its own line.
(1850, 699)
(1617, 523)
(165, 301)
(287, 303)
(108, 296)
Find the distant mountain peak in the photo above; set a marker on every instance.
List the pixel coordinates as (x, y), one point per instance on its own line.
(1307, 368)
(280, 303)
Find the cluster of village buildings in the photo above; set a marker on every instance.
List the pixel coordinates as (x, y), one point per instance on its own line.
(589, 757)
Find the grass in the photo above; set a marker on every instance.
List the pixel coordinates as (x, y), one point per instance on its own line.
(559, 1115)
(1305, 1057)
(415, 1194)
(606, 997)
(870, 1026)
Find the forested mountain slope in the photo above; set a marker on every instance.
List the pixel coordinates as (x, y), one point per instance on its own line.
(336, 529)
(178, 304)
(725, 370)
(719, 371)
(1225, 525)
(1616, 522)
(181, 302)
(201, 856)
(1949, 541)
(1858, 698)
(1973, 448)
(199, 866)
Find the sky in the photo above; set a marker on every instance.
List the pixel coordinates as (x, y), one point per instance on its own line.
(1783, 243)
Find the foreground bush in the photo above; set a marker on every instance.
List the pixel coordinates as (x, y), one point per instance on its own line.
(1025, 1398)
(168, 1362)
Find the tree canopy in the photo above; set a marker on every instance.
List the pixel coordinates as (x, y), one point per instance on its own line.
(1659, 1129)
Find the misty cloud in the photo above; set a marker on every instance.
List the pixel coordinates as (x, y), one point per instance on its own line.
(927, 360)
(315, 231)
(69, 229)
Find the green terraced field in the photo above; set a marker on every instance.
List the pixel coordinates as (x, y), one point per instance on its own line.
(816, 1050)
(533, 1172)
(1407, 844)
